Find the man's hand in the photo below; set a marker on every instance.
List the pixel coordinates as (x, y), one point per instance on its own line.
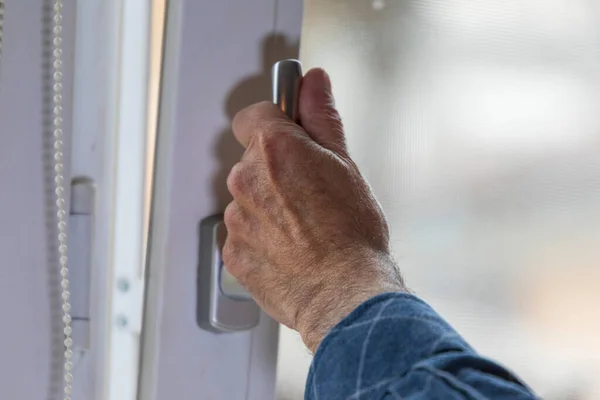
(306, 236)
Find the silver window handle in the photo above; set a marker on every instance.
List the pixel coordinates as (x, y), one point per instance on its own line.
(223, 305)
(286, 79)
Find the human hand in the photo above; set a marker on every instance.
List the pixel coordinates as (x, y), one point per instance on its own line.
(306, 236)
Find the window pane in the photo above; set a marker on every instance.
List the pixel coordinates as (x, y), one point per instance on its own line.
(476, 123)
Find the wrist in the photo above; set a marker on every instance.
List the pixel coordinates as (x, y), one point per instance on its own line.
(330, 306)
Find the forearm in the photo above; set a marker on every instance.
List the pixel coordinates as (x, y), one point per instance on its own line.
(396, 346)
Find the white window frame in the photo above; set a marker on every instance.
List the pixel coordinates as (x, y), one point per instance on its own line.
(110, 111)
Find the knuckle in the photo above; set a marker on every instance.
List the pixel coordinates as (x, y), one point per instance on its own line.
(267, 138)
(244, 181)
(231, 216)
(233, 259)
(275, 139)
(236, 181)
(252, 113)
(268, 145)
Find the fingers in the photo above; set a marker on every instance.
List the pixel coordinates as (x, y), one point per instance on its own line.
(263, 118)
(237, 253)
(233, 250)
(318, 115)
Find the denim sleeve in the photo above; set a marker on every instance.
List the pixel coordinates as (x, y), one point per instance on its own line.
(394, 346)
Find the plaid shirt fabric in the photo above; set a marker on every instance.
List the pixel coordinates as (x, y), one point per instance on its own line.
(395, 346)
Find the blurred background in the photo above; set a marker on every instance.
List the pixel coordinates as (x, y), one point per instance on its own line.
(477, 125)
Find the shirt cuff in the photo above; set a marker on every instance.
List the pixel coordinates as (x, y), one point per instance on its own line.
(381, 339)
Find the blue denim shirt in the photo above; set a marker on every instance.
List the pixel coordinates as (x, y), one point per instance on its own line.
(394, 346)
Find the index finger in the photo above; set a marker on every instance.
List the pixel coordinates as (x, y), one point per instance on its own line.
(260, 117)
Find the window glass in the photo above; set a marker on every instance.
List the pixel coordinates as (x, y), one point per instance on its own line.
(477, 125)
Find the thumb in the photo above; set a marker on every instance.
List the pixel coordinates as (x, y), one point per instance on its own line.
(318, 115)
